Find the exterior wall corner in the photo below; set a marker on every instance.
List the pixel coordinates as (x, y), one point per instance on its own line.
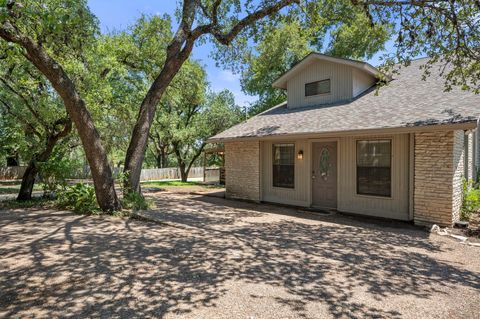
(439, 170)
(242, 170)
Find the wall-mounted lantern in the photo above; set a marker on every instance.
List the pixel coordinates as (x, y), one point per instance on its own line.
(300, 155)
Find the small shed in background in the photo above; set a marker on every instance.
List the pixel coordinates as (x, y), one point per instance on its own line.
(214, 174)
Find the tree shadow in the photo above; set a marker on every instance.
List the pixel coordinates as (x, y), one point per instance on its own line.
(64, 265)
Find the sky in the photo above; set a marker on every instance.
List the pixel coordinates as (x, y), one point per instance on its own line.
(117, 15)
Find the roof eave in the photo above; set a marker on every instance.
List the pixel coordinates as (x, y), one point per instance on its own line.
(467, 125)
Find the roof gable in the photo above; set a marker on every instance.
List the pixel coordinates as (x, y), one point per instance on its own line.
(407, 102)
(281, 82)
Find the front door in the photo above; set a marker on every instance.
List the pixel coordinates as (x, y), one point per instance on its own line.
(324, 175)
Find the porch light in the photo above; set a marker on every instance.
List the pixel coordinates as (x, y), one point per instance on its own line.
(300, 155)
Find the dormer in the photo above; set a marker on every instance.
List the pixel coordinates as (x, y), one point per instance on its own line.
(321, 79)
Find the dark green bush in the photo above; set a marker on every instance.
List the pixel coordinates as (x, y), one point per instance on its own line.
(80, 198)
(471, 201)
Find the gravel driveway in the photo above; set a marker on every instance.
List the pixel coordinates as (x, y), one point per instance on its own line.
(214, 258)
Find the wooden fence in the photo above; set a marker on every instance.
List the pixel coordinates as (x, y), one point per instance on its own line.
(12, 172)
(168, 173)
(212, 173)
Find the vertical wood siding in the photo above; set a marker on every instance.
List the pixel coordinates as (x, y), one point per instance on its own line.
(361, 81)
(299, 195)
(395, 207)
(340, 80)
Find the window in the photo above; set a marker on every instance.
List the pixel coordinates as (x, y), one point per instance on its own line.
(284, 165)
(374, 167)
(319, 87)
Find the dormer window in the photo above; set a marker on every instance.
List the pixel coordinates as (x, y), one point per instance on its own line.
(318, 87)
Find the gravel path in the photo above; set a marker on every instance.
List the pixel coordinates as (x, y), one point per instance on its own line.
(214, 258)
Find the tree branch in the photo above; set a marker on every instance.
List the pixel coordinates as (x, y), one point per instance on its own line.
(226, 38)
(27, 103)
(9, 110)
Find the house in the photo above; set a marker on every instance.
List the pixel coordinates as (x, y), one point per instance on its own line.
(337, 143)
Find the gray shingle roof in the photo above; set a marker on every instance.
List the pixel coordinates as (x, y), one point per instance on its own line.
(406, 101)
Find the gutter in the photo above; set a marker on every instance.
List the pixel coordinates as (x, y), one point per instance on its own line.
(387, 130)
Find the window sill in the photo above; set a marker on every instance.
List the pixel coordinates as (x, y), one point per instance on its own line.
(284, 188)
(374, 196)
(317, 95)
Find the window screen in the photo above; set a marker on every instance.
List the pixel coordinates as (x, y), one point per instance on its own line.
(374, 159)
(319, 87)
(284, 165)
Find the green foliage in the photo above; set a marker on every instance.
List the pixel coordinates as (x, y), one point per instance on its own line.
(55, 23)
(80, 198)
(55, 171)
(445, 31)
(135, 201)
(471, 200)
(132, 200)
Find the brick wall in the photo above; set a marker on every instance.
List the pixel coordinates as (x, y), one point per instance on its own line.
(438, 177)
(242, 170)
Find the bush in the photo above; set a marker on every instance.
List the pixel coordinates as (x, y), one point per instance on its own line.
(132, 200)
(80, 198)
(135, 201)
(471, 201)
(55, 172)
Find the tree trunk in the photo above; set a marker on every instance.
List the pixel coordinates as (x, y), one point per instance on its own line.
(28, 180)
(76, 109)
(178, 52)
(183, 171)
(164, 157)
(138, 142)
(161, 157)
(158, 159)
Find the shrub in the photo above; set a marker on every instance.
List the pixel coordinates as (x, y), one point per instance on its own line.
(471, 201)
(135, 201)
(55, 172)
(132, 200)
(80, 198)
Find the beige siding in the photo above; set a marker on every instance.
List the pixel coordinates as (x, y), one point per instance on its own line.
(361, 81)
(340, 78)
(298, 196)
(397, 206)
(348, 201)
(242, 170)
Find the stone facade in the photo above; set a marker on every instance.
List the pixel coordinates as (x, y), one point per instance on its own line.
(458, 173)
(242, 170)
(469, 156)
(439, 168)
(477, 152)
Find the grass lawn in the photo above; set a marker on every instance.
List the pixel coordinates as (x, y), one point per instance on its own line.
(179, 185)
(12, 187)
